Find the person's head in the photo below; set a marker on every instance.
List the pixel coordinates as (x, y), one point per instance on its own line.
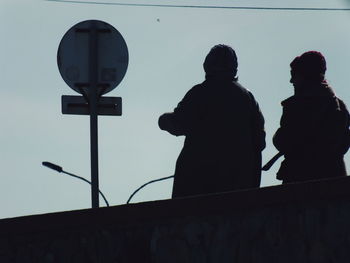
(221, 61)
(308, 68)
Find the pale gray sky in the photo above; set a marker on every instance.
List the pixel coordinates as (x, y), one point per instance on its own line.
(166, 59)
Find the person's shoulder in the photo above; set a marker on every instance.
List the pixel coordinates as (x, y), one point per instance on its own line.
(197, 88)
(341, 106)
(289, 101)
(239, 86)
(341, 102)
(243, 90)
(196, 91)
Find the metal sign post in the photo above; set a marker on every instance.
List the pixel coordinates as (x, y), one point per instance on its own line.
(93, 79)
(92, 59)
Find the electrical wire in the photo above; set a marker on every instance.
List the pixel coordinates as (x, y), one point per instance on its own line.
(206, 6)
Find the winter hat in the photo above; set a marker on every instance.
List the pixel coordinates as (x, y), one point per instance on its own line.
(221, 59)
(311, 64)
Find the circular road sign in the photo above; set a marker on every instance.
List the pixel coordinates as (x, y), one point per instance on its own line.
(92, 52)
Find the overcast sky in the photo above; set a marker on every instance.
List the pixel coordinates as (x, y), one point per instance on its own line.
(167, 47)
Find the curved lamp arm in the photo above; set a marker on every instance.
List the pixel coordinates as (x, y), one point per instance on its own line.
(60, 170)
(150, 182)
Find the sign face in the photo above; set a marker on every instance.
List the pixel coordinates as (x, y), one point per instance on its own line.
(110, 56)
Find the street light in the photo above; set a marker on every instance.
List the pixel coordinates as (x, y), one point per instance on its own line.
(59, 169)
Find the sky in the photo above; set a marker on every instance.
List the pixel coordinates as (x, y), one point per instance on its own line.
(167, 47)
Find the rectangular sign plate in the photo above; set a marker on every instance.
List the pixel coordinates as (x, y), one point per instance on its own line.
(108, 106)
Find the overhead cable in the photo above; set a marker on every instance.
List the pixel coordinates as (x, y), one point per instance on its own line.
(206, 6)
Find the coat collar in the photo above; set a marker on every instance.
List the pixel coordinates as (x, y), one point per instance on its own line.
(321, 90)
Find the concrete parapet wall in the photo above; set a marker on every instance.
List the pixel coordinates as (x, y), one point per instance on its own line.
(306, 222)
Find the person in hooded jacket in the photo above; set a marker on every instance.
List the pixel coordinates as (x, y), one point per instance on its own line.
(224, 131)
(314, 127)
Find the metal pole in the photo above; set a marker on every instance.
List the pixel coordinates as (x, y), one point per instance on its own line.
(93, 100)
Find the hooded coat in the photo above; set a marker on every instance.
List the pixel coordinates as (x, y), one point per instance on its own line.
(313, 135)
(225, 135)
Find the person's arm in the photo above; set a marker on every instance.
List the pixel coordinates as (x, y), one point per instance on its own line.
(181, 121)
(260, 133)
(283, 139)
(168, 122)
(336, 134)
(287, 136)
(258, 139)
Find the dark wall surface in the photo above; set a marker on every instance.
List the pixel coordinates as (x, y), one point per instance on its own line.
(305, 222)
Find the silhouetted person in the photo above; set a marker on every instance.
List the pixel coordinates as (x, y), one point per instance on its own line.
(224, 131)
(314, 131)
